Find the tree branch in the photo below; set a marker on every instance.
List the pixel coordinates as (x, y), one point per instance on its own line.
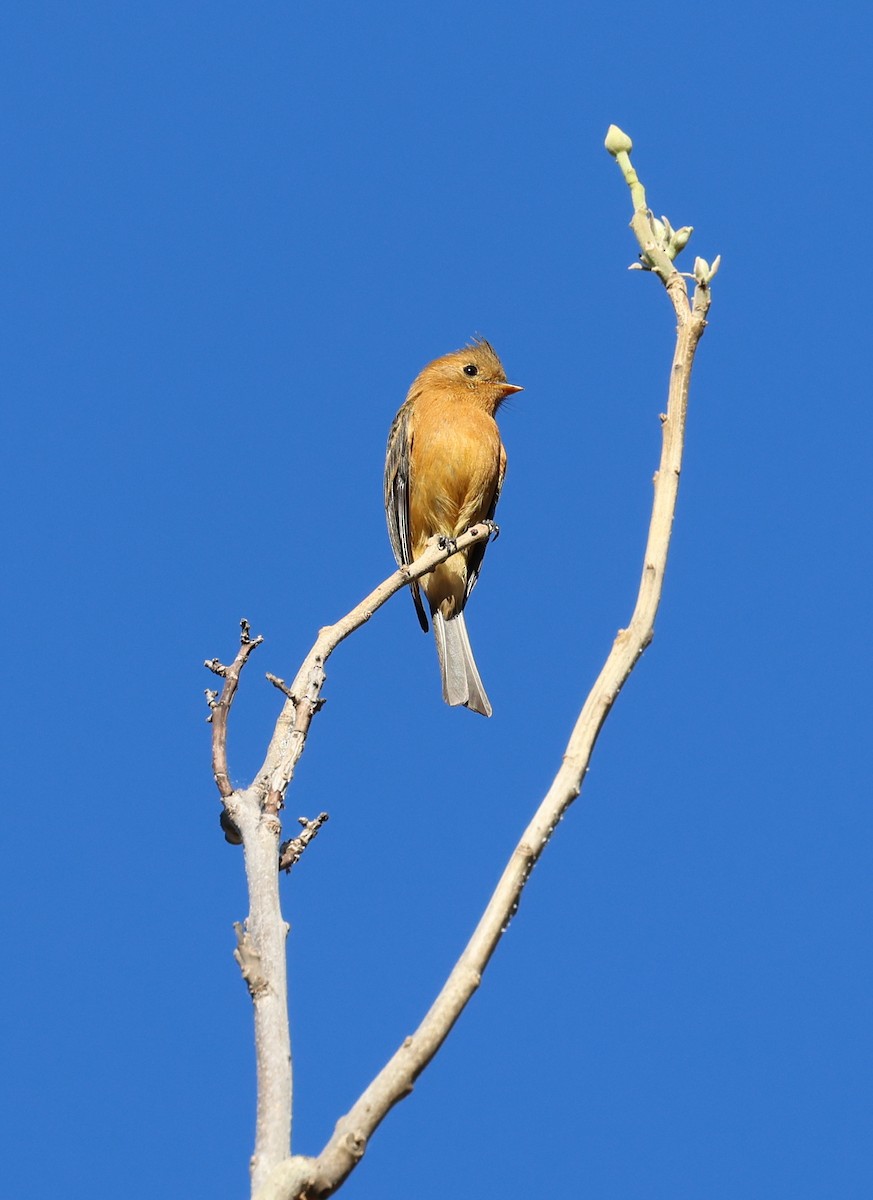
(290, 852)
(292, 726)
(251, 816)
(220, 704)
(300, 1178)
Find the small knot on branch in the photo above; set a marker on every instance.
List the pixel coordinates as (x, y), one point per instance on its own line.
(356, 1143)
(230, 828)
(249, 961)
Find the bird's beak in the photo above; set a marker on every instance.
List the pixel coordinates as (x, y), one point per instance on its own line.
(507, 389)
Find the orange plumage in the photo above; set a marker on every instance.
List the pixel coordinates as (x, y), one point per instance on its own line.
(443, 473)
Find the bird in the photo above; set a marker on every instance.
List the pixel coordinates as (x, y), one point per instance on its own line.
(444, 469)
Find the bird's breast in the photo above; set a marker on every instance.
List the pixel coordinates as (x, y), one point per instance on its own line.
(454, 468)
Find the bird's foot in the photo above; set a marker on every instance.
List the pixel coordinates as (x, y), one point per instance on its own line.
(493, 529)
(448, 543)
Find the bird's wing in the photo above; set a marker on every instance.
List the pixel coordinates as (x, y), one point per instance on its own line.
(477, 552)
(397, 462)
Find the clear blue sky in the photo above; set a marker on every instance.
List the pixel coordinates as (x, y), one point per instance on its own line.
(232, 235)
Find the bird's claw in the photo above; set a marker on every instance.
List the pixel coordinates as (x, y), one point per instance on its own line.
(448, 543)
(493, 529)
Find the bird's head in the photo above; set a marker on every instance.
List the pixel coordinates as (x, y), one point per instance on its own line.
(474, 373)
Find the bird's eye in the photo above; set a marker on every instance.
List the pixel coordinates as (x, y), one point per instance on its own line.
(471, 369)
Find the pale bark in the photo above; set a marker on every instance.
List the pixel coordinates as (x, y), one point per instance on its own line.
(252, 817)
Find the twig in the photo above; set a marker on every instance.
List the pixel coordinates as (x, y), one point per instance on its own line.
(280, 684)
(305, 699)
(300, 1178)
(220, 705)
(291, 851)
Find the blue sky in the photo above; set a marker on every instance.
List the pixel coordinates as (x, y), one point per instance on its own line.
(232, 236)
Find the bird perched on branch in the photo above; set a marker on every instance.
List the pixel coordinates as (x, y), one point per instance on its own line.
(443, 474)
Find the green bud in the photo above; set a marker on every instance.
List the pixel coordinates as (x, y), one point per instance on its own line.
(703, 272)
(617, 141)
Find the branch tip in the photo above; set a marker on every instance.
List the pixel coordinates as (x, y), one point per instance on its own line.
(219, 705)
(282, 686)
(659, 242)
(704, 273)
(291, 851)
(617, 141)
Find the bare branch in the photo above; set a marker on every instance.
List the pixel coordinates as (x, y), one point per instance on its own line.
(251, 816)
(291, 851)
(305, 699)
(280, 684)
(261, 954)
(299, 1178)
(220, 705)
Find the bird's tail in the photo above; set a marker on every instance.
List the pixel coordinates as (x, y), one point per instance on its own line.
(461, 682)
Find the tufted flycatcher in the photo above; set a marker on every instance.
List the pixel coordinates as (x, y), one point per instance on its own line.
(443, 473)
